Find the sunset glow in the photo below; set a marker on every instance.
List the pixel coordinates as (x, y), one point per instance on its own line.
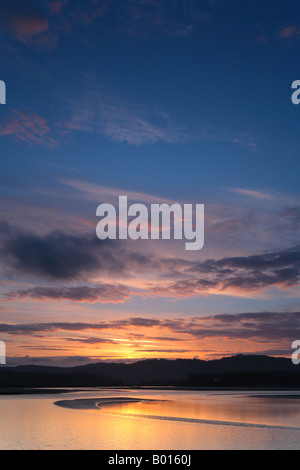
(159, 103)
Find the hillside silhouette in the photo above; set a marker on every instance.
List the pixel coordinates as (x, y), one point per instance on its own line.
(236, 371)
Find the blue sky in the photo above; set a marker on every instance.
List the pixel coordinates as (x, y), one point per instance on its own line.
(186, 101)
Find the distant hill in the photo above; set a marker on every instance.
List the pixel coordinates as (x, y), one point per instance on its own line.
(237, 371)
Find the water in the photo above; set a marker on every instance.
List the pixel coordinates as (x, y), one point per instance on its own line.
(162, 420)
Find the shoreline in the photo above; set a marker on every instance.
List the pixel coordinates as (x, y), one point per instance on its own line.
(35, 391)
(10, 391)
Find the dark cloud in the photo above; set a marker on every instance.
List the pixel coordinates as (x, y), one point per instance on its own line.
(39, 348)
(281, 269)
(55, 256)
(91, 340)
(33, 329)
(163, 338)
(101, 293)
(30, 329)
(174, 351)
(145, 322)
(262, 326)
(59, 257)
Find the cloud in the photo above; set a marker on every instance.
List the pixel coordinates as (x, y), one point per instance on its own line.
(261, 327)
(244, 274)
(97, 111)
(96, 193)
(288, 32)
(24, 20)
(38, 23)
(135, 130)
(58, 256)
(243, 139)
(28, 127)
(104, 293)
(33, 329)
(54, 7)
(91, 340)
(41, 24)
(88, 11)
(63, 257)
(171, 18)
(169, 351)
(260, 195)
(27, 28)
(36, 328)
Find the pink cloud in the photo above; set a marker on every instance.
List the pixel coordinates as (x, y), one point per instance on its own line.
(35, 25)
(288, 32)
(28, 127)
(26, 28)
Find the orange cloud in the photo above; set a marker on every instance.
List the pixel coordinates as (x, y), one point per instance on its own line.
(130, 338)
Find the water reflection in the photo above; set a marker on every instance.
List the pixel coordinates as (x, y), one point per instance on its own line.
(226, 409)
(34, 422)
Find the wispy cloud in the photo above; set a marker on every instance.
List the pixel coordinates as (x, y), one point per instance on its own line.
(98, 193)
(28, 127)
(88, 11)
(91, 341)
(100, 110)
(243, 139)
(288, 32)
(43, 24)
(260, 195)
(177, 18)
(97, 111)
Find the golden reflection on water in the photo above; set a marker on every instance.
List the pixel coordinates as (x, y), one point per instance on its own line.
(34, 422)
(256, 411)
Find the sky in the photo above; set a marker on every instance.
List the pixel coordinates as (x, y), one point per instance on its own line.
(165, 101)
